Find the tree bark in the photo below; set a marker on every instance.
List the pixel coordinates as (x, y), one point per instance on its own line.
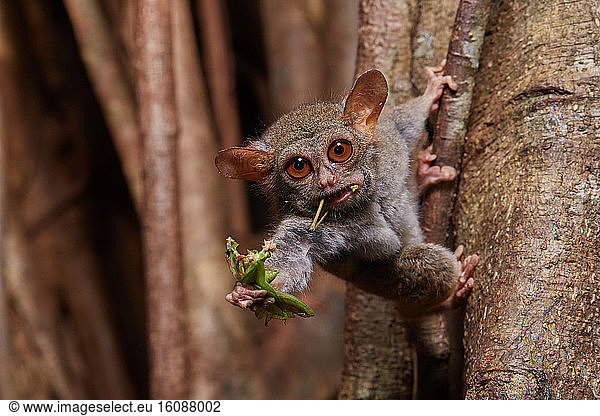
(378, 357)
(161, 231)
(529, 204)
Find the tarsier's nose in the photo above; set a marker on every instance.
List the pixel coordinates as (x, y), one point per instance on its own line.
(326, 178)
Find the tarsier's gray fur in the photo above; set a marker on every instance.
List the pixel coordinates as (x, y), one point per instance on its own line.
(377, 228)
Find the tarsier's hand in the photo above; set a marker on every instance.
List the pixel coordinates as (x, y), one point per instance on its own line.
(253, 285)
(428, 174)
(465, 281)
(245, 296)
(435, 84)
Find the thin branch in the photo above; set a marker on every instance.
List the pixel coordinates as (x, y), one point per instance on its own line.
(161, 232)
(449, 136)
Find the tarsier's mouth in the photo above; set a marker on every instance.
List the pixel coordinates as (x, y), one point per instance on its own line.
(341, 195)
(335, 198)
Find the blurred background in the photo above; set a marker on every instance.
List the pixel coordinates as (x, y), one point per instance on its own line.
(72, 301)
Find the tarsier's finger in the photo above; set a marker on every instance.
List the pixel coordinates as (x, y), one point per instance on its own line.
(244, 296)
(429, 170)
(463, 264)
(250, 292)
(236, 297)
(229, 298)
(458, 252)
(236, 287)
(430, 73)
(472, 263)
(450, 82)
(427, 155)
(433, 70)
(469, 265)
(440, 67)
(448, 172)
(437, 174)
(465, 289)
(250, 298)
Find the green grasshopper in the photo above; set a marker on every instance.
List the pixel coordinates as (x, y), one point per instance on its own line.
(250, 269)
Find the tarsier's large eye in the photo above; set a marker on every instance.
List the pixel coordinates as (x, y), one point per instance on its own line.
(298, 167)
(339, 151)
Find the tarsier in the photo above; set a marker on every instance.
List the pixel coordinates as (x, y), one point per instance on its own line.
(350, 163)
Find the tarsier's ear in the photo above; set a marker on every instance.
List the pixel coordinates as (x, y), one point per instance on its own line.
(244, 163)
(366, 100)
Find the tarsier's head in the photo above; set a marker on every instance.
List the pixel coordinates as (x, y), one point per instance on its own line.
(322, 151)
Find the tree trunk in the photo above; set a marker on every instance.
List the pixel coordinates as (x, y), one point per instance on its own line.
(529, 204)
(161, 232)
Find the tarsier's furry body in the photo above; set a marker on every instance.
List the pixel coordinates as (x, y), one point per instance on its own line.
(355, 157)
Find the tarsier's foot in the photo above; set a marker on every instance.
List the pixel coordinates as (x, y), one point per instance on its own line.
(435, 84)
(428, 175)
(465, 281)
(245, 296)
